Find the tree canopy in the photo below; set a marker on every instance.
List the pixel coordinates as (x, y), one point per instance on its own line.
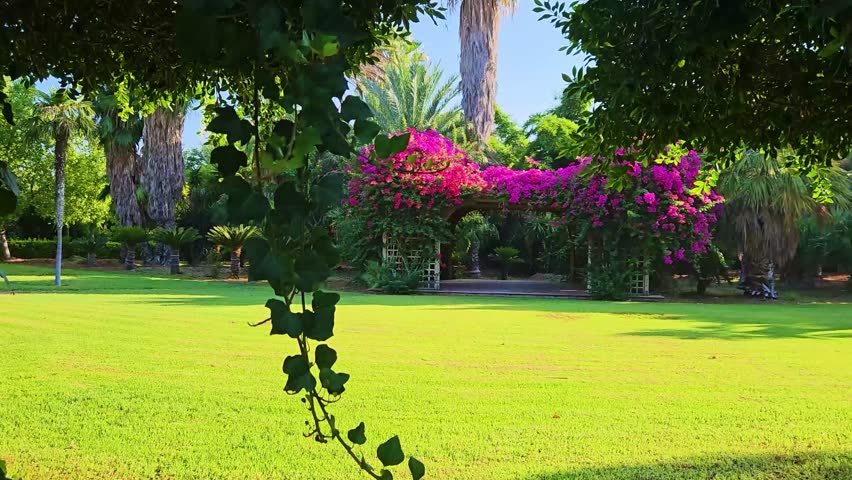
(717, 74)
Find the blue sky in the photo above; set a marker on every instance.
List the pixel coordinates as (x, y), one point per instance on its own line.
(529, 63)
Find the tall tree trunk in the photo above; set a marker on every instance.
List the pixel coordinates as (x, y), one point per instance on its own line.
(5, 254)
(122, 167)
(479, 22)
(59, 150)
(235, 262)
(163, 170)
(475, 271)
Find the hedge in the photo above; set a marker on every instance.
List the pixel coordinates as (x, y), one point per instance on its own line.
(42, 248)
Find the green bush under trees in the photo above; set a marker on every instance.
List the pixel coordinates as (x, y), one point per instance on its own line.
(43, 248)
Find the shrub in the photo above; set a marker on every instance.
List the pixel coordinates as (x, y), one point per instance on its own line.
(233, 238)
(392, 280)
(609, 280)
(506, 256)
(45, 248)
(132, 236)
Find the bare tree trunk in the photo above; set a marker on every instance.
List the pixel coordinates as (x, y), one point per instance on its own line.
(122, 170)
(163, 170)
(479, 22)
(5, 254)
(235, 263)
(59, 149)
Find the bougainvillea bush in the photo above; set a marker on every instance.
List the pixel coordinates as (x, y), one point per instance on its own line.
(641, 204)
(404, 195)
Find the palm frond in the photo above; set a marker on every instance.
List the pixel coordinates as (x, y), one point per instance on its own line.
(230, 237)
(175, 237)
(413, 93)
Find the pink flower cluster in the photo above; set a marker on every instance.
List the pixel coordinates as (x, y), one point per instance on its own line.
(430, 172)
(655, 202)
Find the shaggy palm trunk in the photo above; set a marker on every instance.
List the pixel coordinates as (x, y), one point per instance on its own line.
(130, 258)
(5, 254)
(59, 149)
(174, 262)
(91, 259)
(235, 262)
(479, 22)
(474, 271)
(163, 170)
(122, 170)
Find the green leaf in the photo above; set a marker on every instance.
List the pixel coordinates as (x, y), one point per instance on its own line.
(324, 45)
(322, 326)
(356, 435)
(325, 356)
(283, 320)
(311, 270)
(390, 146)
(305, 143)
(8, 180)
(252, 209)
(681, 63)
(229, 123)
(324, 299)
(7, 109)
(8, 201)
(366, 131)
(353, 108)
(332, 381)
(831, 48)
(416, 468)
(298, 374)
(228, 159)
(329, 190)
(390, 452)
(289, 200)
(386, 475)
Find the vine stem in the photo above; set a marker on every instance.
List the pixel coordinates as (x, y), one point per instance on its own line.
(335, 433)
(313, 396)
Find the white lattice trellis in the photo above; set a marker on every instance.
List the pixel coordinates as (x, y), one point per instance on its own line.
(640, 281)
(431, 276)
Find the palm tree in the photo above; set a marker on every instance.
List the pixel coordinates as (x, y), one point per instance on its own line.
(58, 117)
(175, 238)
(479, 21)
(409, 92)
(473, 229)
(120, 139)
(130, 237)
(162, 173)
(232, 238)
(764, 200)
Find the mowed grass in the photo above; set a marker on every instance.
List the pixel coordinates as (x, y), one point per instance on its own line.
(123, 376)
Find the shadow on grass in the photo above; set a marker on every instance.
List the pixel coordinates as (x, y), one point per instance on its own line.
(804, 466)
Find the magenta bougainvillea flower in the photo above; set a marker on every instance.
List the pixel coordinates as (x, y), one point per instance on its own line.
(656, 202)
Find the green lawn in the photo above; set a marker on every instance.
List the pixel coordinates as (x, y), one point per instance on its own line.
(124, 376)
